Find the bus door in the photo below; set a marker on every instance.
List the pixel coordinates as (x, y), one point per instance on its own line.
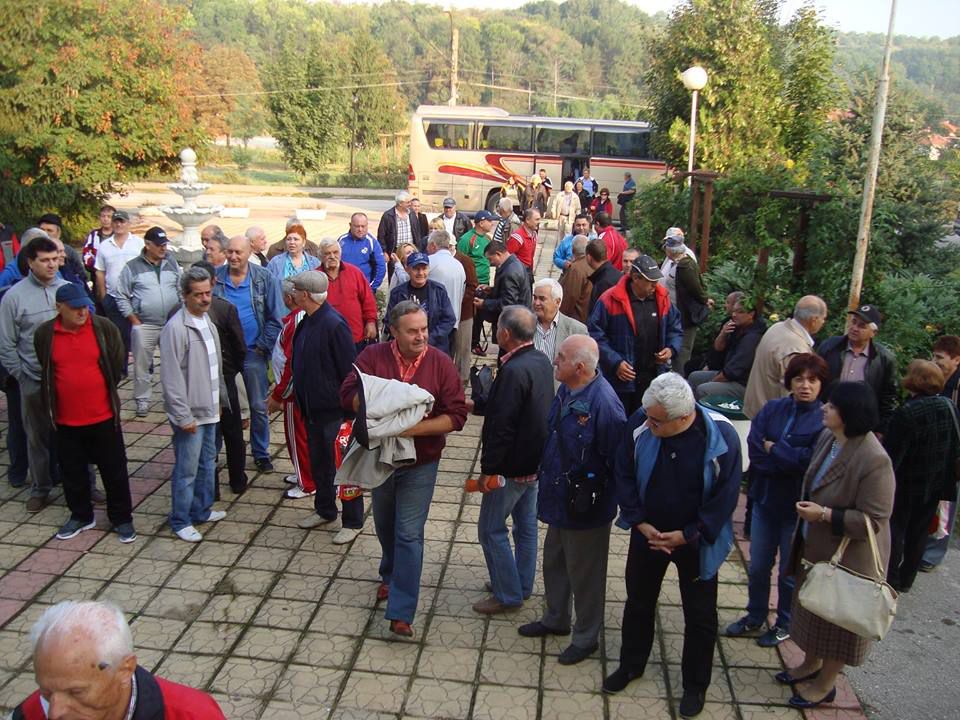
(572, 169)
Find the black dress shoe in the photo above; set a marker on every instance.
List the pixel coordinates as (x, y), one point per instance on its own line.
(799, 701)
(263, 464)
(574, 654)
(538, 629)
(619, 679)
(691, 704)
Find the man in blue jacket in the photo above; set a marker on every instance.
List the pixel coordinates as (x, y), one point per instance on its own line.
(677, 476)
(256, 295)
(358, 247)
(431, 296)
(638, 330)
(576, 498)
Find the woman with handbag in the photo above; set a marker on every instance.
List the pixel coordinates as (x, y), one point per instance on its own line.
(922, 443)
(781, 441)
(848, 484)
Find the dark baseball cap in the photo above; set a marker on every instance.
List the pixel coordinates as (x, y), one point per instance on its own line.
(72, 295)
(867, 313)
(417, 258)
(121, 215)
(647, 267)
(484, 215)
(449, 202)
(156, 235)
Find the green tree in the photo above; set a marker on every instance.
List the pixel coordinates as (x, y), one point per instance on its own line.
(379, 107)
(308, 113)
(96, 101)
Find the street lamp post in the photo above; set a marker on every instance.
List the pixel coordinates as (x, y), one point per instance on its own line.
(694, 79)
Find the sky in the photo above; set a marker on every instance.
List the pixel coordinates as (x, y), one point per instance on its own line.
(940, 18)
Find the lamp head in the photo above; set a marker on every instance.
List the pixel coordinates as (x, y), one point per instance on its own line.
(694, 78)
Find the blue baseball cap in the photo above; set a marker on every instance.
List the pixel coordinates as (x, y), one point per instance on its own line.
(484, 215)
(72, 295)
(417, 258)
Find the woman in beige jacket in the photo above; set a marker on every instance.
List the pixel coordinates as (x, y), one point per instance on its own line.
(849, 482)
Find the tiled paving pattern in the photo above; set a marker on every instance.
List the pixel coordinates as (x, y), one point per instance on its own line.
(277, 622)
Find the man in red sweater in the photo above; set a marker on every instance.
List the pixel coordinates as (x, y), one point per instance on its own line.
(349, 294)
(523, 241)
(615, 242)
(401, 503)
(85, 408)
(85, 668)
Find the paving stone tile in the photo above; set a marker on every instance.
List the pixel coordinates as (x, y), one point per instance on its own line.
(443, 663)
(439, 699)
(315, 563)
(584, 677)
(227, 531)
(230, 608)
(236, 707)
(29, 534)
(313, 686)
(129, 598)
(246, 582)
(9, 608)
(753, 685)
(366, 567)
(280, 710)
(196, 577)
(244, 513)
(50, 560)
(291, 586)
(502, 636)
(215, 638)
(495, 702)
(323, 650)
(13, 555)
(156, 633)
(280, 537)
(354, 593)
(510, 669)
(247, 677)
(744, 652)
(176, 604)
(70, 588)
(265, 558)
(283, 613)
(152, 572)
(389, 657)
(191, 670)
(771, 712)
(172, 549)
(15, 650)
(97, 566)
(340, 619)
(23, 585)
(374, 691)
(210, 552)
(456, 632)
(631, 708)
(267, 643)
(18, 689)
(571, 705)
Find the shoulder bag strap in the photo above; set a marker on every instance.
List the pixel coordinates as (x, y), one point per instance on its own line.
(871, 536)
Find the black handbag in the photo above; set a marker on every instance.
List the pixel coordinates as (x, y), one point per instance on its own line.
(481, 382)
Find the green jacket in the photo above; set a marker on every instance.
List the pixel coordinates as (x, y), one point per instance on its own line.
(472, 244)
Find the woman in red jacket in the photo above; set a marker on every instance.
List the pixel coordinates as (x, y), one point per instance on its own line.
(601, 203)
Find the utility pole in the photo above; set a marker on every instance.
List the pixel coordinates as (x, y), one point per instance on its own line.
(529, 98)
(873, 161)
(556, 83)
(454, 52)
(353, 138)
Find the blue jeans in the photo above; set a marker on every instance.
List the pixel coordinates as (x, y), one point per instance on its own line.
(510, 575)
(768, 534)
(191, 484)
(400, 507)
(255, 378)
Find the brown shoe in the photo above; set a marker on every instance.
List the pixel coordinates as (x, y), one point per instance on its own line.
(492, 606)
(401, 628)
(383, 592)
(37, 503)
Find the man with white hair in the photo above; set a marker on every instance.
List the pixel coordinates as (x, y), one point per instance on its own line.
(677, 478)
(85, 667)
(565, 206)
(576, 498)
(690, 296)
(508, 223)
(397, 226)
(553, 327)
(669, 266)
(258, 244)
(446, 270)
(454, 222)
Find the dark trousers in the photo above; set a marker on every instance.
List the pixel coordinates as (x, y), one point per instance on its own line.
(114, 315)
(481, 315)
(321, 434)
(908, 538)
(102, 445)
(644, 576)
(633, 400)
(230, 434)
(16, 437)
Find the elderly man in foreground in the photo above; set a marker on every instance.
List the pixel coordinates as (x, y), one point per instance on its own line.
(85, 667)
(401, 503)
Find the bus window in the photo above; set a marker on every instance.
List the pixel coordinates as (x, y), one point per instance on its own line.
(512, 138)
(563, 140)
(447, 135)
(621, 144)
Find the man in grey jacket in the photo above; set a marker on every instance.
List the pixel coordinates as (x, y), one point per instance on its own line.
(26, 306)
(553, 327)
(193, 391)
(147, 291)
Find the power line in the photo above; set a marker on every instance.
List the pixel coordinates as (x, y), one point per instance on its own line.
(309, 89)
(545, 94)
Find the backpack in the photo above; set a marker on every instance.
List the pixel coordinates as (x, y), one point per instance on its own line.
(481, 382)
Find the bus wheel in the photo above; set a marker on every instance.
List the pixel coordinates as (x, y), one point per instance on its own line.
(492, 199)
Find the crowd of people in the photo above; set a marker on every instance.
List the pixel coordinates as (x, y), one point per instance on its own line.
(592, 418)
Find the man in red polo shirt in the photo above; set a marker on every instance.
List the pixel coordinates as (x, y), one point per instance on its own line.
(349, 294)
(82, 359)
(523, 241)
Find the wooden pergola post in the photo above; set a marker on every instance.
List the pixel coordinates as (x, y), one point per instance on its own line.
(701, 181)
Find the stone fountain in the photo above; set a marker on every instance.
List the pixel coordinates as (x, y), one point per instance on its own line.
(189, 215)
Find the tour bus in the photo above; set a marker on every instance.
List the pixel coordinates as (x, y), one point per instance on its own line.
(468, 153)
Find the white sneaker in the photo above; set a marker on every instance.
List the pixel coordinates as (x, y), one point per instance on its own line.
(346, 535)
(216, 515)
(190, 534)
(295, 493)
(292, 479)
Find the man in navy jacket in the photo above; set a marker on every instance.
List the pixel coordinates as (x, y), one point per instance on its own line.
(576, 498)
(323, 355)
(678, 478)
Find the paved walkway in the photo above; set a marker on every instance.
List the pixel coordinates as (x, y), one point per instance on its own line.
(277, 622)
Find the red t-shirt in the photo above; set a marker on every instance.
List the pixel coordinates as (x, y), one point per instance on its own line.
(81, 390)
(523, 243)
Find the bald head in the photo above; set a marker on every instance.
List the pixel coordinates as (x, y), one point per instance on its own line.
(576, 361)
(238, 253)
(811, 312)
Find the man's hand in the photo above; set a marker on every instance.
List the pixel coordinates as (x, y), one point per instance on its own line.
(478, 302)
(625, 371)
(191, 428)
(648, 531)
(273, 405)
(664, 355)
(768, 445)
(370, 331)
(567, 263)
(134, 320)
(667, 541)
(728, 327)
